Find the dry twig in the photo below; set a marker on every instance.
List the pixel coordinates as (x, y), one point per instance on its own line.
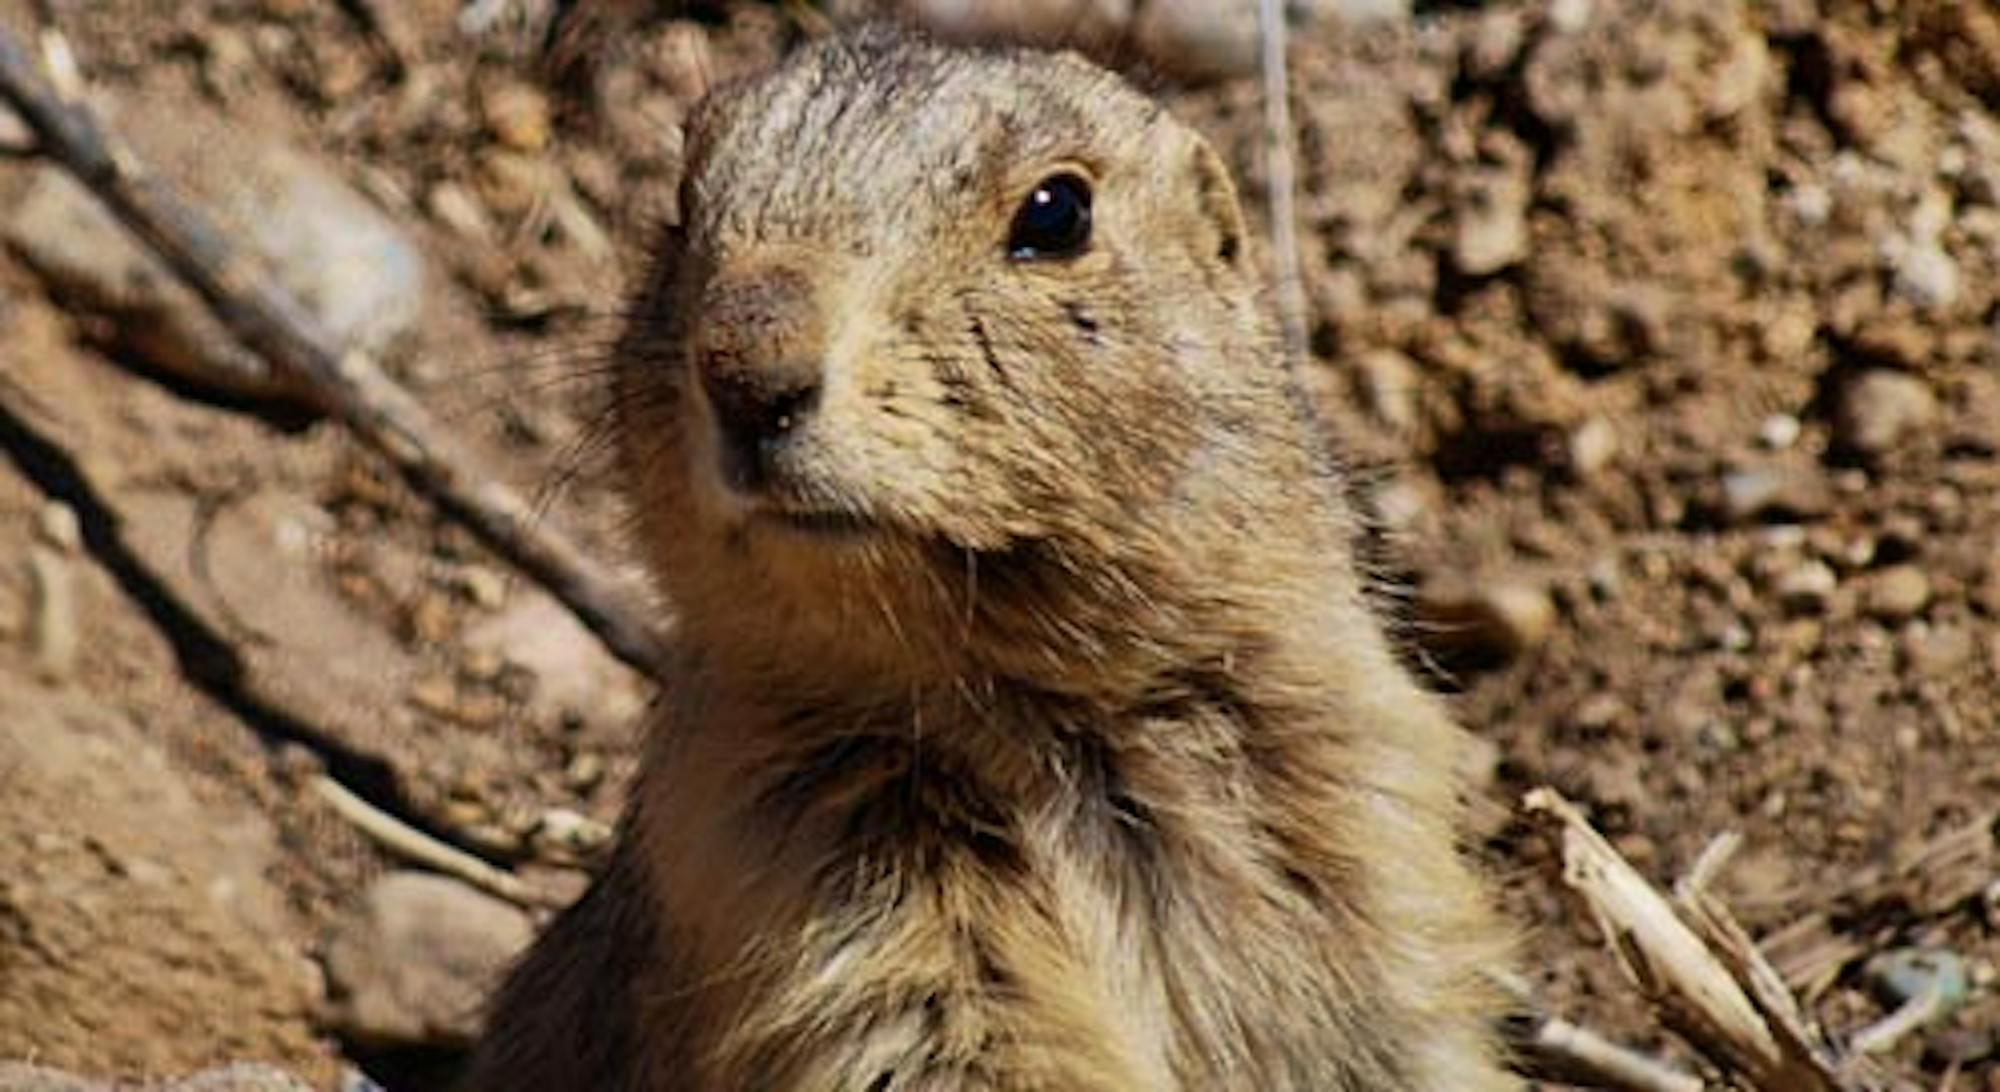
(414, 845)
(1547, 1047)
(1798, 1037)
(347, 385)
(1694, 989)
(1556, 1049)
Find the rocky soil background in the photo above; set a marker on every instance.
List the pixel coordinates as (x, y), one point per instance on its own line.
(1666, 334)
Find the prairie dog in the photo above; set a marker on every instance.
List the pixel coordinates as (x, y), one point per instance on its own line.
(1028, 726)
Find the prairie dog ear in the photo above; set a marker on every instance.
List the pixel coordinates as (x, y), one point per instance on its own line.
(1215, 200)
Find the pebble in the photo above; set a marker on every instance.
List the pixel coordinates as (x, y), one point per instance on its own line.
(584, 772)
(1570, 16)
(1901, 975)
(1927, 277)
(1592, 446)
(568, 667)
(15, 136)
(59, 529)
(485, 587)
(1501, 619)
(1938, 653)
(415, 961)
(1778, 491)
(512, 184)
(1897, 593)
(1599, 713)
(1806, 587)
(517, 114)
(1779, 431)
(1880, 408)
(568, 834)
(1490, 223)
(1388, 386)
(454, 206)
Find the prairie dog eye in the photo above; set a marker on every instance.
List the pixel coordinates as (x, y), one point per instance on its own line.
(1053, 222)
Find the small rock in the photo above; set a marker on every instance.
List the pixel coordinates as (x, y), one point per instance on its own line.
(15, 136)
(1807, 587)
(58, 528)
(570, 835)
(1901, 975)
(1388, 387)
(1499, 620)
(415, 962)
(512, 184)
(584, 772)
(453, 206)
(517, 114)
(1880, 408)
(1810, 203)
(1927, 277)
(1570, 16)
(485, 587)
(1939, 653)
(1599, 713)
(1897, 593)
(1779, 431)
(568, 667)
(353, 1080)
(1490, 223)
(1494, 43)
(1592, 446)
(1775, 492)
(1616, 777)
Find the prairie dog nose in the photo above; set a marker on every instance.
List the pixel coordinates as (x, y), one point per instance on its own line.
(753, 405)
(760, 353)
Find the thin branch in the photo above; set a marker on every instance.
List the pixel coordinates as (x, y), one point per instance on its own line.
(1547, 1047)
(1552, 1048)
(1282, 176)
(413, 845)
(347, 385)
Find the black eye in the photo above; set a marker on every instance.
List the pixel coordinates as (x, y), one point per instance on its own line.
(1054, 222)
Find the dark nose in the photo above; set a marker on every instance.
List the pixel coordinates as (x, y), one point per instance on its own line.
(759, 350)
(756, 408)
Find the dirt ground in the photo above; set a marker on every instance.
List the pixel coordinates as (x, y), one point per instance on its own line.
(1667, 333)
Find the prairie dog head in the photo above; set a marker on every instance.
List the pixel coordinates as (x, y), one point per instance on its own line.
(953, 357)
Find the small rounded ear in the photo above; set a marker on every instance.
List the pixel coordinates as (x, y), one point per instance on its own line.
(1215, 197)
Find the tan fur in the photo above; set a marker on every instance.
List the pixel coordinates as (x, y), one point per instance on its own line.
(1029, 727)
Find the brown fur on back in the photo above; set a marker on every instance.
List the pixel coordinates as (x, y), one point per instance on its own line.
(1029, 727)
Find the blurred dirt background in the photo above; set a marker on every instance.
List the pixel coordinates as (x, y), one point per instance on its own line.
(1667, 335)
